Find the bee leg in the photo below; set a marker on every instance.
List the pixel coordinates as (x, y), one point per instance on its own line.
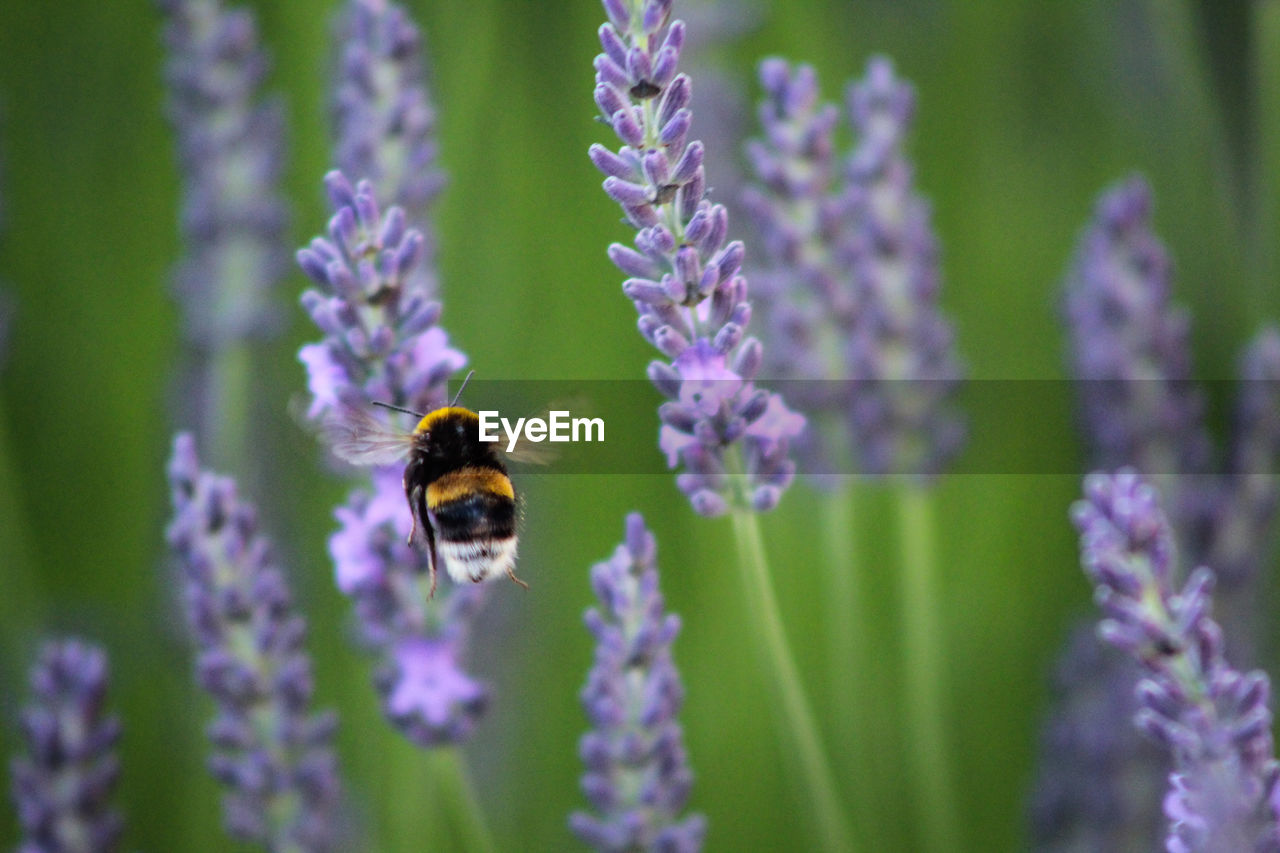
(417, 509)
(413, 529)
(511, 574)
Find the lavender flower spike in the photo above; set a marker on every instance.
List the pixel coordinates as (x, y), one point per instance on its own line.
(1214, 720)
(901, 351)
(229, 144)
(274, 757)
(684, 278)
(63, 785)
(382, 342)
(1130, 346)
(802, 212)
(637, 775)
(383, 118)
(1244, 520)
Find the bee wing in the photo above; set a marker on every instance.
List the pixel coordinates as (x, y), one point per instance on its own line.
(359, 438)
(527, 453)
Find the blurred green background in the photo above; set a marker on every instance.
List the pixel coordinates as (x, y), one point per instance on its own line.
(1026, 110)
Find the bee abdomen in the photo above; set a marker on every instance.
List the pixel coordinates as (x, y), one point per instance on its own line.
(474, 515)
(473, 512)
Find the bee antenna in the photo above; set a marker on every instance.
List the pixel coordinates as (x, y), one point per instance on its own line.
(398, 409)
(470, 373)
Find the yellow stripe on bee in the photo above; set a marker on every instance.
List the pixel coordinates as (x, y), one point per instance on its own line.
(465, 481)
(433, 418)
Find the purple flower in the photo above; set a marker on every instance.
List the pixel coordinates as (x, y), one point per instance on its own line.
(685, 278)
(1214, 720)
(900, 351)
(383, 118)
(382, 344)
(229, 145)
(272, 754)
(802, 212)
(637, 776)
(63, 783)
(1130, 347)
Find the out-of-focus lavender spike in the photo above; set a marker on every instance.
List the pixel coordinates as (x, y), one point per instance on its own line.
(637, 775)
(1130, 346)
(64, 782)
(713, 28)
(384, 121)
(1243, 524)
(230, 147)
(901, 351)
(1099, 782)
(1214, 720)
(802, 212)
(1235, 533)
(693, 304)
(273, 755)
(383, 343)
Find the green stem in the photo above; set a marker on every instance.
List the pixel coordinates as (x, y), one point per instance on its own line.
(455, 789)
(229, 399)
(800, 723)
(845, 610)
(923, 671)
(412, 813)
(858, 725)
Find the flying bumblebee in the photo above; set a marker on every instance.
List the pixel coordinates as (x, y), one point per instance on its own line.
(460, 496)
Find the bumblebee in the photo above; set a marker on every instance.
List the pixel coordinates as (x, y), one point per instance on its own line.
(460, 496)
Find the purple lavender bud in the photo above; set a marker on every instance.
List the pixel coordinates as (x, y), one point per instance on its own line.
(383, 118)
(230, 142)
(901, 354)
(386, 345)
(687, 289)
(1130, 346)
(637, 774)
(63, 783)
(1214, 720)
(275, 757)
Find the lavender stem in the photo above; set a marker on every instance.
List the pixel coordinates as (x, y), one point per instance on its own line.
(800, 723)
(845, 618)
(922, 667)
(454, 787)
